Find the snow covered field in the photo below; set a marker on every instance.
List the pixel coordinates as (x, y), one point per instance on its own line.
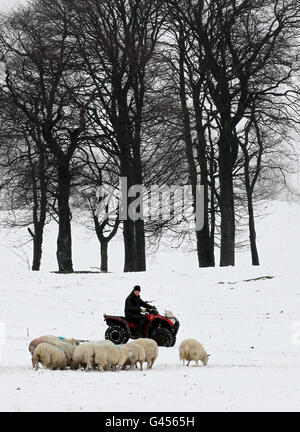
(250, 328)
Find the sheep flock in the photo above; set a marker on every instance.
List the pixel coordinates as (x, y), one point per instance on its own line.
(59, 353)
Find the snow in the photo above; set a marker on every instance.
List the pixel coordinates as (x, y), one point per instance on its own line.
(250, 325)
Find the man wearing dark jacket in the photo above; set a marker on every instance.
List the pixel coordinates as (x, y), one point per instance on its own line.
(134, 305)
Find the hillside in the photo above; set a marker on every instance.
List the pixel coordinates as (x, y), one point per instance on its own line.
(247, 323)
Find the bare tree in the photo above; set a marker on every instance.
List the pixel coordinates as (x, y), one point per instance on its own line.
(96, 172)
(117, 40)
(27, 172)
(243, 46)
(42, 80)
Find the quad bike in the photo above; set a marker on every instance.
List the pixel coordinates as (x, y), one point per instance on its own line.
(161, 328)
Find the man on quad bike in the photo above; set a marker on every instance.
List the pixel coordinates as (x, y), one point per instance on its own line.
(161, 328)
(134, 305)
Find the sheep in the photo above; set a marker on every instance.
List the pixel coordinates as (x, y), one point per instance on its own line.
(101, 343)
(49, 356)
(105, 341)
(67, 347)
(100, 356)
(116, 355)
(71, 341)
(113, 353)
(151, 350)
(124, 354)
(33, 344)
(50, 339)
(191, 349)
(136, 353)
(83, 356)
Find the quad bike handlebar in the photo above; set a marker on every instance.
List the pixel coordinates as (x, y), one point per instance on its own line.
(150, 311)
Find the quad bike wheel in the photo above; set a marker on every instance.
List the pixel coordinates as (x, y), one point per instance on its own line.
(163, 337)
(174, 341)
(116, 334)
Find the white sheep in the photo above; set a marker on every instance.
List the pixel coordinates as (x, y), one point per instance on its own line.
(50, 339)
(104, 341)
(117, 355)
(191, 349)
(83, 356)
(33, 344)
(49, 356)
(67, 347)
(100, 356)
(113, 353)
(136, 353)
(151, 350)
(124, 354)
(114, 358)
(71, 341)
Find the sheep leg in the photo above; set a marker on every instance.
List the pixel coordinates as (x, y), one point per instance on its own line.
(35, 362)
(89, 366)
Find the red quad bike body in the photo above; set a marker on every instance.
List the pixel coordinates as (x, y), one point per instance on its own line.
(160, 328)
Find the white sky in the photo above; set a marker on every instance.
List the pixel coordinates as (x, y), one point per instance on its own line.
(8, 4)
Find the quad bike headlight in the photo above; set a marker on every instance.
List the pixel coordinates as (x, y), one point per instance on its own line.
(169, 314)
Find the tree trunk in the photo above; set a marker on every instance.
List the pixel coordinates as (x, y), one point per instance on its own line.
(252, 232)
(64, 240)
(37, 249)
(103, 241)
(249, 189)
(204, 246)
(213, 198)
(104, 256)
(139, 225)
(129, 235)
(204, 251)
(140, 245)
(37, 238)
(227, 257)
(133, 232)
(126, 171)
(130, 258)
(39, 211)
